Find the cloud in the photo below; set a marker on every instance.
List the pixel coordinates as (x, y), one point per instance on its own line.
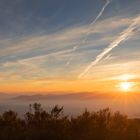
(127, 33)
(89, 31)
(116, 68)
(64, 39)
(56, 49)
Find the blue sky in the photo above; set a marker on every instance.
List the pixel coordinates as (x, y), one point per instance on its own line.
(26, 17)
(38, 39)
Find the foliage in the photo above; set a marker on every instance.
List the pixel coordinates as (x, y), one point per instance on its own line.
(39, 124)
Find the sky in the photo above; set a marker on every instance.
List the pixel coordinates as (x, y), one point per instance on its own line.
(69, 46)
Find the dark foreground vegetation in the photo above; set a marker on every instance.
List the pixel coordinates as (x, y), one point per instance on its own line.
(39, 124)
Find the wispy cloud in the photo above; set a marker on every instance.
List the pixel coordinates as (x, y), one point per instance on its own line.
(63, 40)
(122, 37)
(89, 30)
(56, 49)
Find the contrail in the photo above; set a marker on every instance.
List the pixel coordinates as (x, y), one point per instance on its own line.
(122, 37)
(88, 32)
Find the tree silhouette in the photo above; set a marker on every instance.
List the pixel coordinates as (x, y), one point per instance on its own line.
(38, 124)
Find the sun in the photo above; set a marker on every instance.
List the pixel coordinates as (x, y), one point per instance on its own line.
(126, 83)
(126, 86)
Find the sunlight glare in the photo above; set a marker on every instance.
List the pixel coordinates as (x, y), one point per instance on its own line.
(126, 86)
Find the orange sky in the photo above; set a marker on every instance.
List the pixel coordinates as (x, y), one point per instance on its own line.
(114, 84)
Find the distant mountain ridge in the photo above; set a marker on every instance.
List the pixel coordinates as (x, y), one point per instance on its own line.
(64, 96)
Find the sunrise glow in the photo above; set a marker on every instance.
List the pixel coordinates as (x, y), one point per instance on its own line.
(125, 86)
(53, 46)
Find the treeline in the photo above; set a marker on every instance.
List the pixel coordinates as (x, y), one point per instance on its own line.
(39, 124)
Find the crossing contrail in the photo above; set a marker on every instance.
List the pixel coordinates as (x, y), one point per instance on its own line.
(89, 31)
(122, 37)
